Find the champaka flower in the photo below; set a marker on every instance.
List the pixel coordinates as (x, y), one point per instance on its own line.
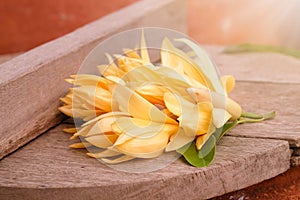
(138, 109)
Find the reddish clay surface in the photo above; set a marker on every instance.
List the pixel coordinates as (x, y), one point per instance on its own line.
(29, 23)
(284, 186)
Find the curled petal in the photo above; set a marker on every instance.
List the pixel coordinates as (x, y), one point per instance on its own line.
(178, 140)
(145, 147)
(136, 128)
(102, 140)
(228, 83)
(117, 160)
(138, 107)
(220, 117)
(104, 154)
(233, 108)
(80, 145)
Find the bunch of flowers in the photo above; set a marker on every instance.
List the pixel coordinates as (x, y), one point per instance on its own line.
(138, 109)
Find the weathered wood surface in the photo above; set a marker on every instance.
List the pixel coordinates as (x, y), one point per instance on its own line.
(31, 84)
(47, 168)
(263, 97)
(258, 67)
(266, 82)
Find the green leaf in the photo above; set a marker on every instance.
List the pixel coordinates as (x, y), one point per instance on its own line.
(220, 132)
(262, 48)
(200, 158)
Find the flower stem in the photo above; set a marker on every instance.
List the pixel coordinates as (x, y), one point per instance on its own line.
(250, 115)
(255, 117)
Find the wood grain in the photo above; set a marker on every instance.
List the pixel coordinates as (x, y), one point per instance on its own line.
(265, 82)
(32, 83)
(258, 67)
(264, 97)
(47, 169)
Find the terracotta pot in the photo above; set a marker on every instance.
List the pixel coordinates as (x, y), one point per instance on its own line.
(25, 24)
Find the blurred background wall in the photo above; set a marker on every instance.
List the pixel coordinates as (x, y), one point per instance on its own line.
(226, 22)
(25, 24)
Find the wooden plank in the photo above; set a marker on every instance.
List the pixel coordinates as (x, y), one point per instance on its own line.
(47, 169)
(266, 82)
(260, 67)
(263, 97)
(31, 84)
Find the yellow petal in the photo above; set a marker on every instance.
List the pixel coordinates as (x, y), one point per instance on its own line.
(205, 117)
(102, 140)
(110, 114)
(133, 127)
(145, 147)
(141, 75)
(132, 103)
(205, 66)
(201, 140)
(102, 126)
(104, 154)
(88, 79)
(66, 100)
(228, 83)
(111, 69)
(80, 145)
(95, 96)
(200, 94)
(178, 140)
(196, 120)
(153, 93)
(220, 117)
(173, 103)
(144, 51)
(173, 57)
(131, 53)
(70, 130)
(233, 108)
(117, 160)
(67, 110)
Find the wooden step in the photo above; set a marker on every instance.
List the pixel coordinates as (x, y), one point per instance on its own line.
(47, 168)
(27, 107)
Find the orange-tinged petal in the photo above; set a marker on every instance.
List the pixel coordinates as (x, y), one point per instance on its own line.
(133, 128)
(172, 103)
(117, 160)
(88, 79)
(174, 57)
(102, 140)
(138, 107)
(178, 140)
(67, 110)
(104, 154)
(70, 130)
(80, 145)
(145, 147)
(131, 53)
(200, 141)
